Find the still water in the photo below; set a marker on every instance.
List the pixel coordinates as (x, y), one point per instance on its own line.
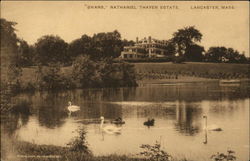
(178, 110)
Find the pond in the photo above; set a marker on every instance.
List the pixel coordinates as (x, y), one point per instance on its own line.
(177, 109)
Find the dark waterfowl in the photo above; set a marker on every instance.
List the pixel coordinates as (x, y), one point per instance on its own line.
(150, 122)
(118, 121)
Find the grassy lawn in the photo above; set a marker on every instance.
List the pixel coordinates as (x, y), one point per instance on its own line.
(192, 67)
(189, 71)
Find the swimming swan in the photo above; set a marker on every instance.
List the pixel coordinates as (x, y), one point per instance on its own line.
(73, 108)
(110, 129)
(211, 128)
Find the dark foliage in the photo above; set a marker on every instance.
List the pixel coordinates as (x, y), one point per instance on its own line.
(79, 143)
(105, 73)
(194, 53)
(50, 78)
(186, 37)
(154, 152)
(26, 54)
(226, 55)
(51, 49)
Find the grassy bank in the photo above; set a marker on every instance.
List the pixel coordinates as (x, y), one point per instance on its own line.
(169, 71)
(185, 71)
(25, 151)
(163, 72)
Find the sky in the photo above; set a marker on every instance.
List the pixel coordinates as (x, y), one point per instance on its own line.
(71, 19)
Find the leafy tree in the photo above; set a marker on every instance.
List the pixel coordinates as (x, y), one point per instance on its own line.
(9, 48)
(8, 35)
(81, 46)
(102, 73)
(223, 54)
(186, 37)
(107, 44)
(10, 72)
(215, 54)
(25, 54)
(126, 42)
(50, 78)
(170, 48)
(85, 72)
(194, 53)
(51, 49)
(128, 74)
(101, 45)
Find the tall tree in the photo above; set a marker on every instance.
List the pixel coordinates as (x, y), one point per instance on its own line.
(9, 46)
(170, 48)
(107, 44)
(10, 72)
(81, 46)
(186, 37)
(51, 49)
(194, 53)
(9, 49)
(25, 54)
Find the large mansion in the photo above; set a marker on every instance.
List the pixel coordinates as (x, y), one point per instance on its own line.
(145, 48)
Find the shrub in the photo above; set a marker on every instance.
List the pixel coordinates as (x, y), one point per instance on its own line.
(224, 157)
(102, 73)
(154, 152)
(85, 72)
(79, 143)
(49, 78)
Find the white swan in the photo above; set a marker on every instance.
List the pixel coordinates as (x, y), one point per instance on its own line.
(110, 129)
(73, 108)
(211, 127)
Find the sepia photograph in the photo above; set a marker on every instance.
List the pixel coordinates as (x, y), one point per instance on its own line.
(125, 81)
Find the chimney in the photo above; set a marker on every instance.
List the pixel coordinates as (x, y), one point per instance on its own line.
(149, 39)
(137, 40)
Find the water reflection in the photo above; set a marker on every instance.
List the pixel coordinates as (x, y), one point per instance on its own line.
(17, 118)
(188, 116)
(177, 111)
(51, 117)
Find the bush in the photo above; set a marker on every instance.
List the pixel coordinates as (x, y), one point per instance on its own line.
(49, 78)
(224, 157)
(79, 143)
(154, 152)
(102, 73)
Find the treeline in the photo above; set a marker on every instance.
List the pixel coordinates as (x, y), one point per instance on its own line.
(53, 49)
(183, 46)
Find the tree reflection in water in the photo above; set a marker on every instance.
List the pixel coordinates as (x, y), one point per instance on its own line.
(18, 117)
(188, 118)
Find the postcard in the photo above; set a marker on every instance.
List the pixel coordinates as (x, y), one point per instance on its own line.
(125, 80)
